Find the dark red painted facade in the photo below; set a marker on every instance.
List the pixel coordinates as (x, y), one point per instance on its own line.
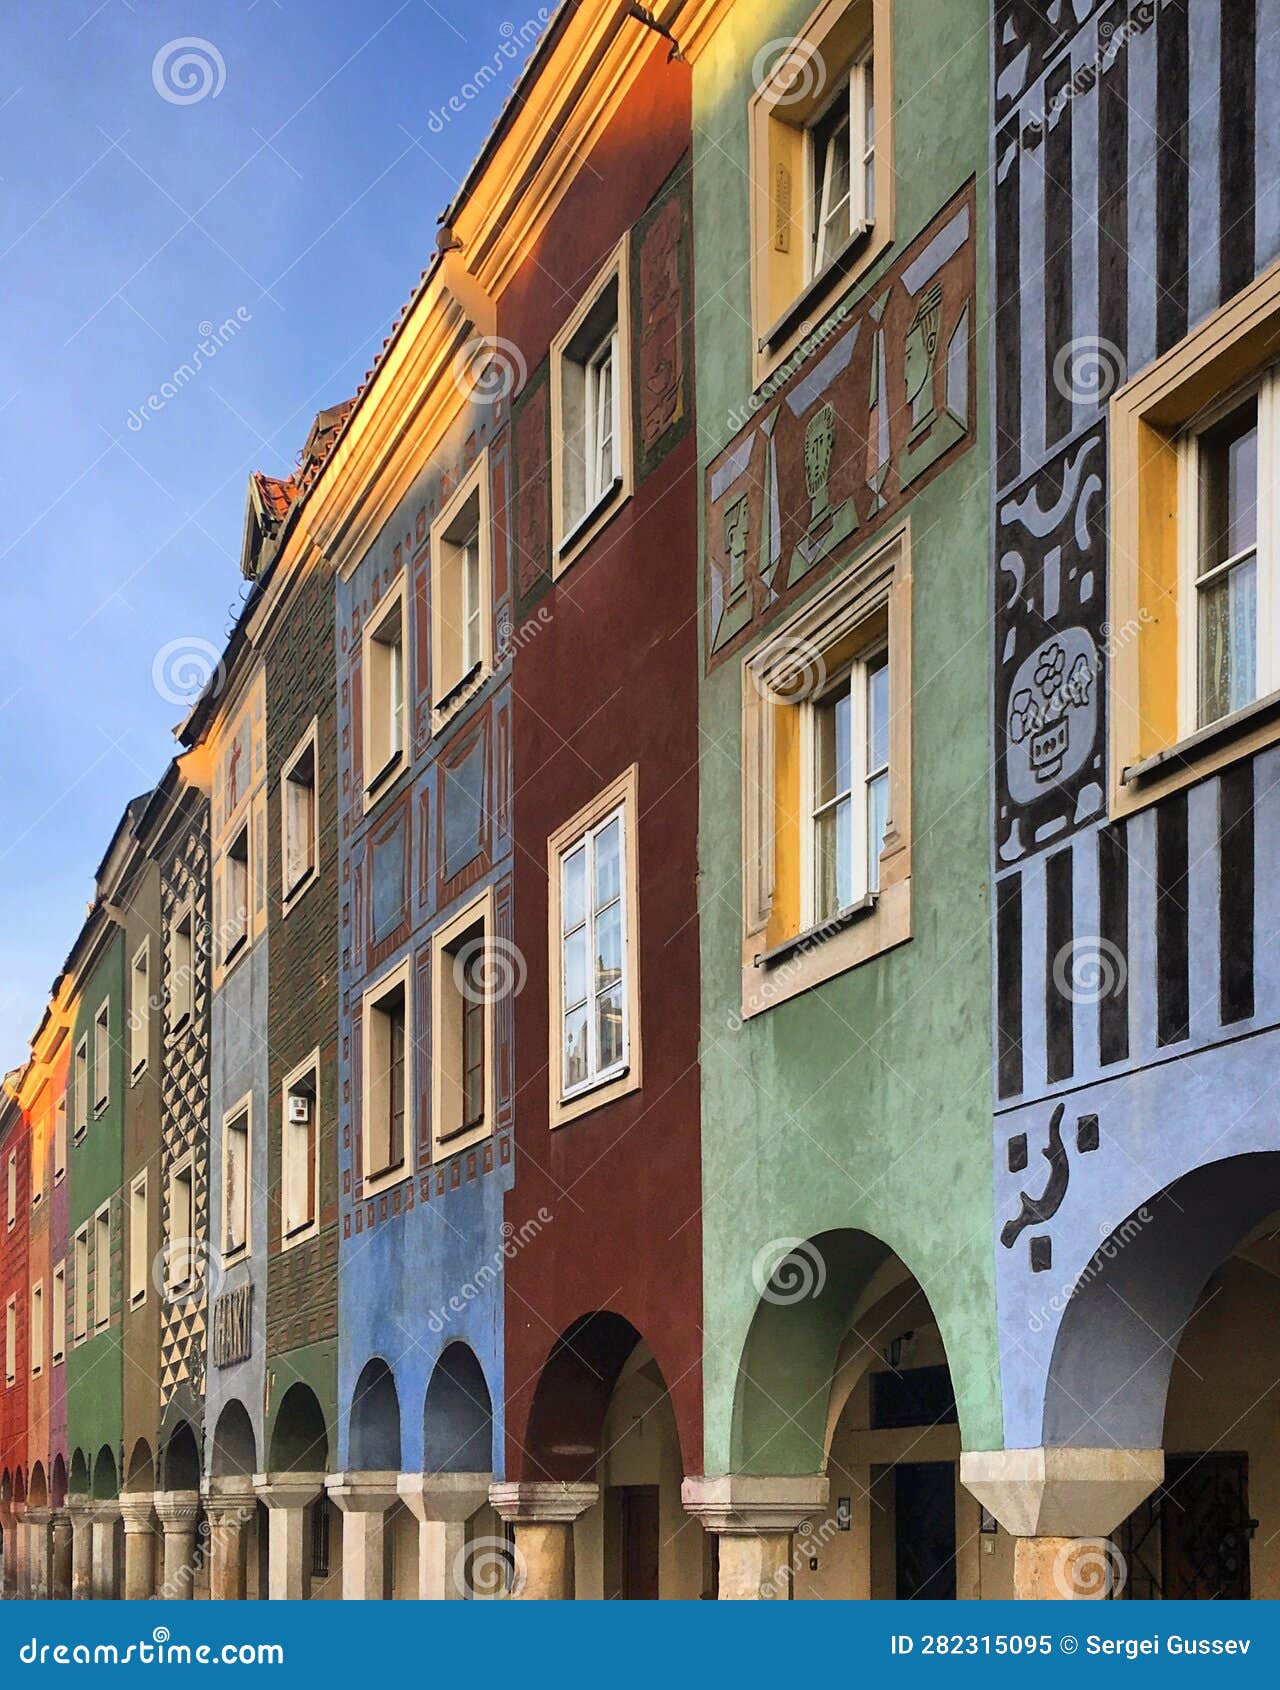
(609, 680)
(15, 1282)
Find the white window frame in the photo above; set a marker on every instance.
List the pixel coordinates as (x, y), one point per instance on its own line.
(60, 1111)
(395, 978)
(853, 88)
(599, 486)
(181, 1174)
(860, 777)
(81, 1255)
(456, 674)
(36, 1333)
(139, 1240)
(139, 1010)
(101, 1230)
(80, 1086)
(293, 887)
(619, 798)
(241, 1111)
(11, 1183)
(180, 1004)
(449, 1137)
(385, 731)
(102, 1058)
(11, 1342)
(292, 1235)
(1266, 388)
(59, 1312)
(235, 940)
(597, 1074)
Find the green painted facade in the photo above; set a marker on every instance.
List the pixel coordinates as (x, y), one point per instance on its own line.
(95, 1406)
(860, 1109)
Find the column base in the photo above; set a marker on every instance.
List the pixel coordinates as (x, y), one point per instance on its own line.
(543, 1513)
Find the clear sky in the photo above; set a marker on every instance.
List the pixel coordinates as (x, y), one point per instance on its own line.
(165, 167)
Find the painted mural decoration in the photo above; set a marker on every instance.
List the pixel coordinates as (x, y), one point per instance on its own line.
(1028, 35)
(1035, 1212)
(883, 400)
(662, 313)
(1050, 635)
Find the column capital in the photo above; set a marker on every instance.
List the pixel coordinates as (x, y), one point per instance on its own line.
(105, 1508)
(541, 1502)
(137, 1511)
(228, 1502)
(1061, 1492)
(446, 1498)
(750, 1504)
(365, 1492)
(288, 1490)
(38, 1516)
(176, 1509)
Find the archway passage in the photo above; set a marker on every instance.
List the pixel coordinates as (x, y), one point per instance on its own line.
(79, 1481)
(234, 1453)
(299, 1438)
(38, 1489)
(140, 1474)
(106, 1479)
(58, 1483)
(844, 1372)
(180, 1465)
(602, 1414)
(457, 1432)
(375, 1420)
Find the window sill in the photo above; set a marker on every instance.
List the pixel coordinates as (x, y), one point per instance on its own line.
(446, 708)
(137, 1300)
(383, 781)
(819, 932)
(601, 1092)
(180, 1023)
(136, 1073)
(373, 1185)
(590, 523)
(856, 936)
(832, 272)
(606, 1078)
(299, 1235)
(100, 1107)
(1181, 758)
(235, 952)
(298, 890)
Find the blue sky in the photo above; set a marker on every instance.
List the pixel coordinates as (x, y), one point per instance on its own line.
(284, 173)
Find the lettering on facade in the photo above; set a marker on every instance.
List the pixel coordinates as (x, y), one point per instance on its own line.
(232, 1336)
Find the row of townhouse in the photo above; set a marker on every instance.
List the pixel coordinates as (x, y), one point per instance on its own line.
(693, 1016)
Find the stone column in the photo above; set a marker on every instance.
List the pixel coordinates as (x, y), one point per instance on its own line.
(9, 1526)
(139, 1539)
(37, 1528)
(442, 1503)
(177, 1510)
(81, 1511)
(230, 1505)
(61, 1572)
(755, 1519)
(364, 1499)
(288, 1496)
(106, 1552)
(1061, 1505)
(543, 1513)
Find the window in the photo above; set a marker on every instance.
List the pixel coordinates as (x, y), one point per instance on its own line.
(235, 1180)
(594, 930)
(81, 1310)
(37, 1328)
(181, 967)
(12, 1183)
(826, 783)
(59, 1313)
(235, 893)
(182, 1252)
(298, 817)
(821, 143)
(60, 1139)
(590, 411)
(102, 1059)
(298, 1139)
(139, 1008)
(80, 1085)
(468, 962)
(847, 733)
(387, 1076)
(102, 1268)
(10, 1341)
(460, 590)
(385, 691)
(139, 1244)
(1193, 658)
